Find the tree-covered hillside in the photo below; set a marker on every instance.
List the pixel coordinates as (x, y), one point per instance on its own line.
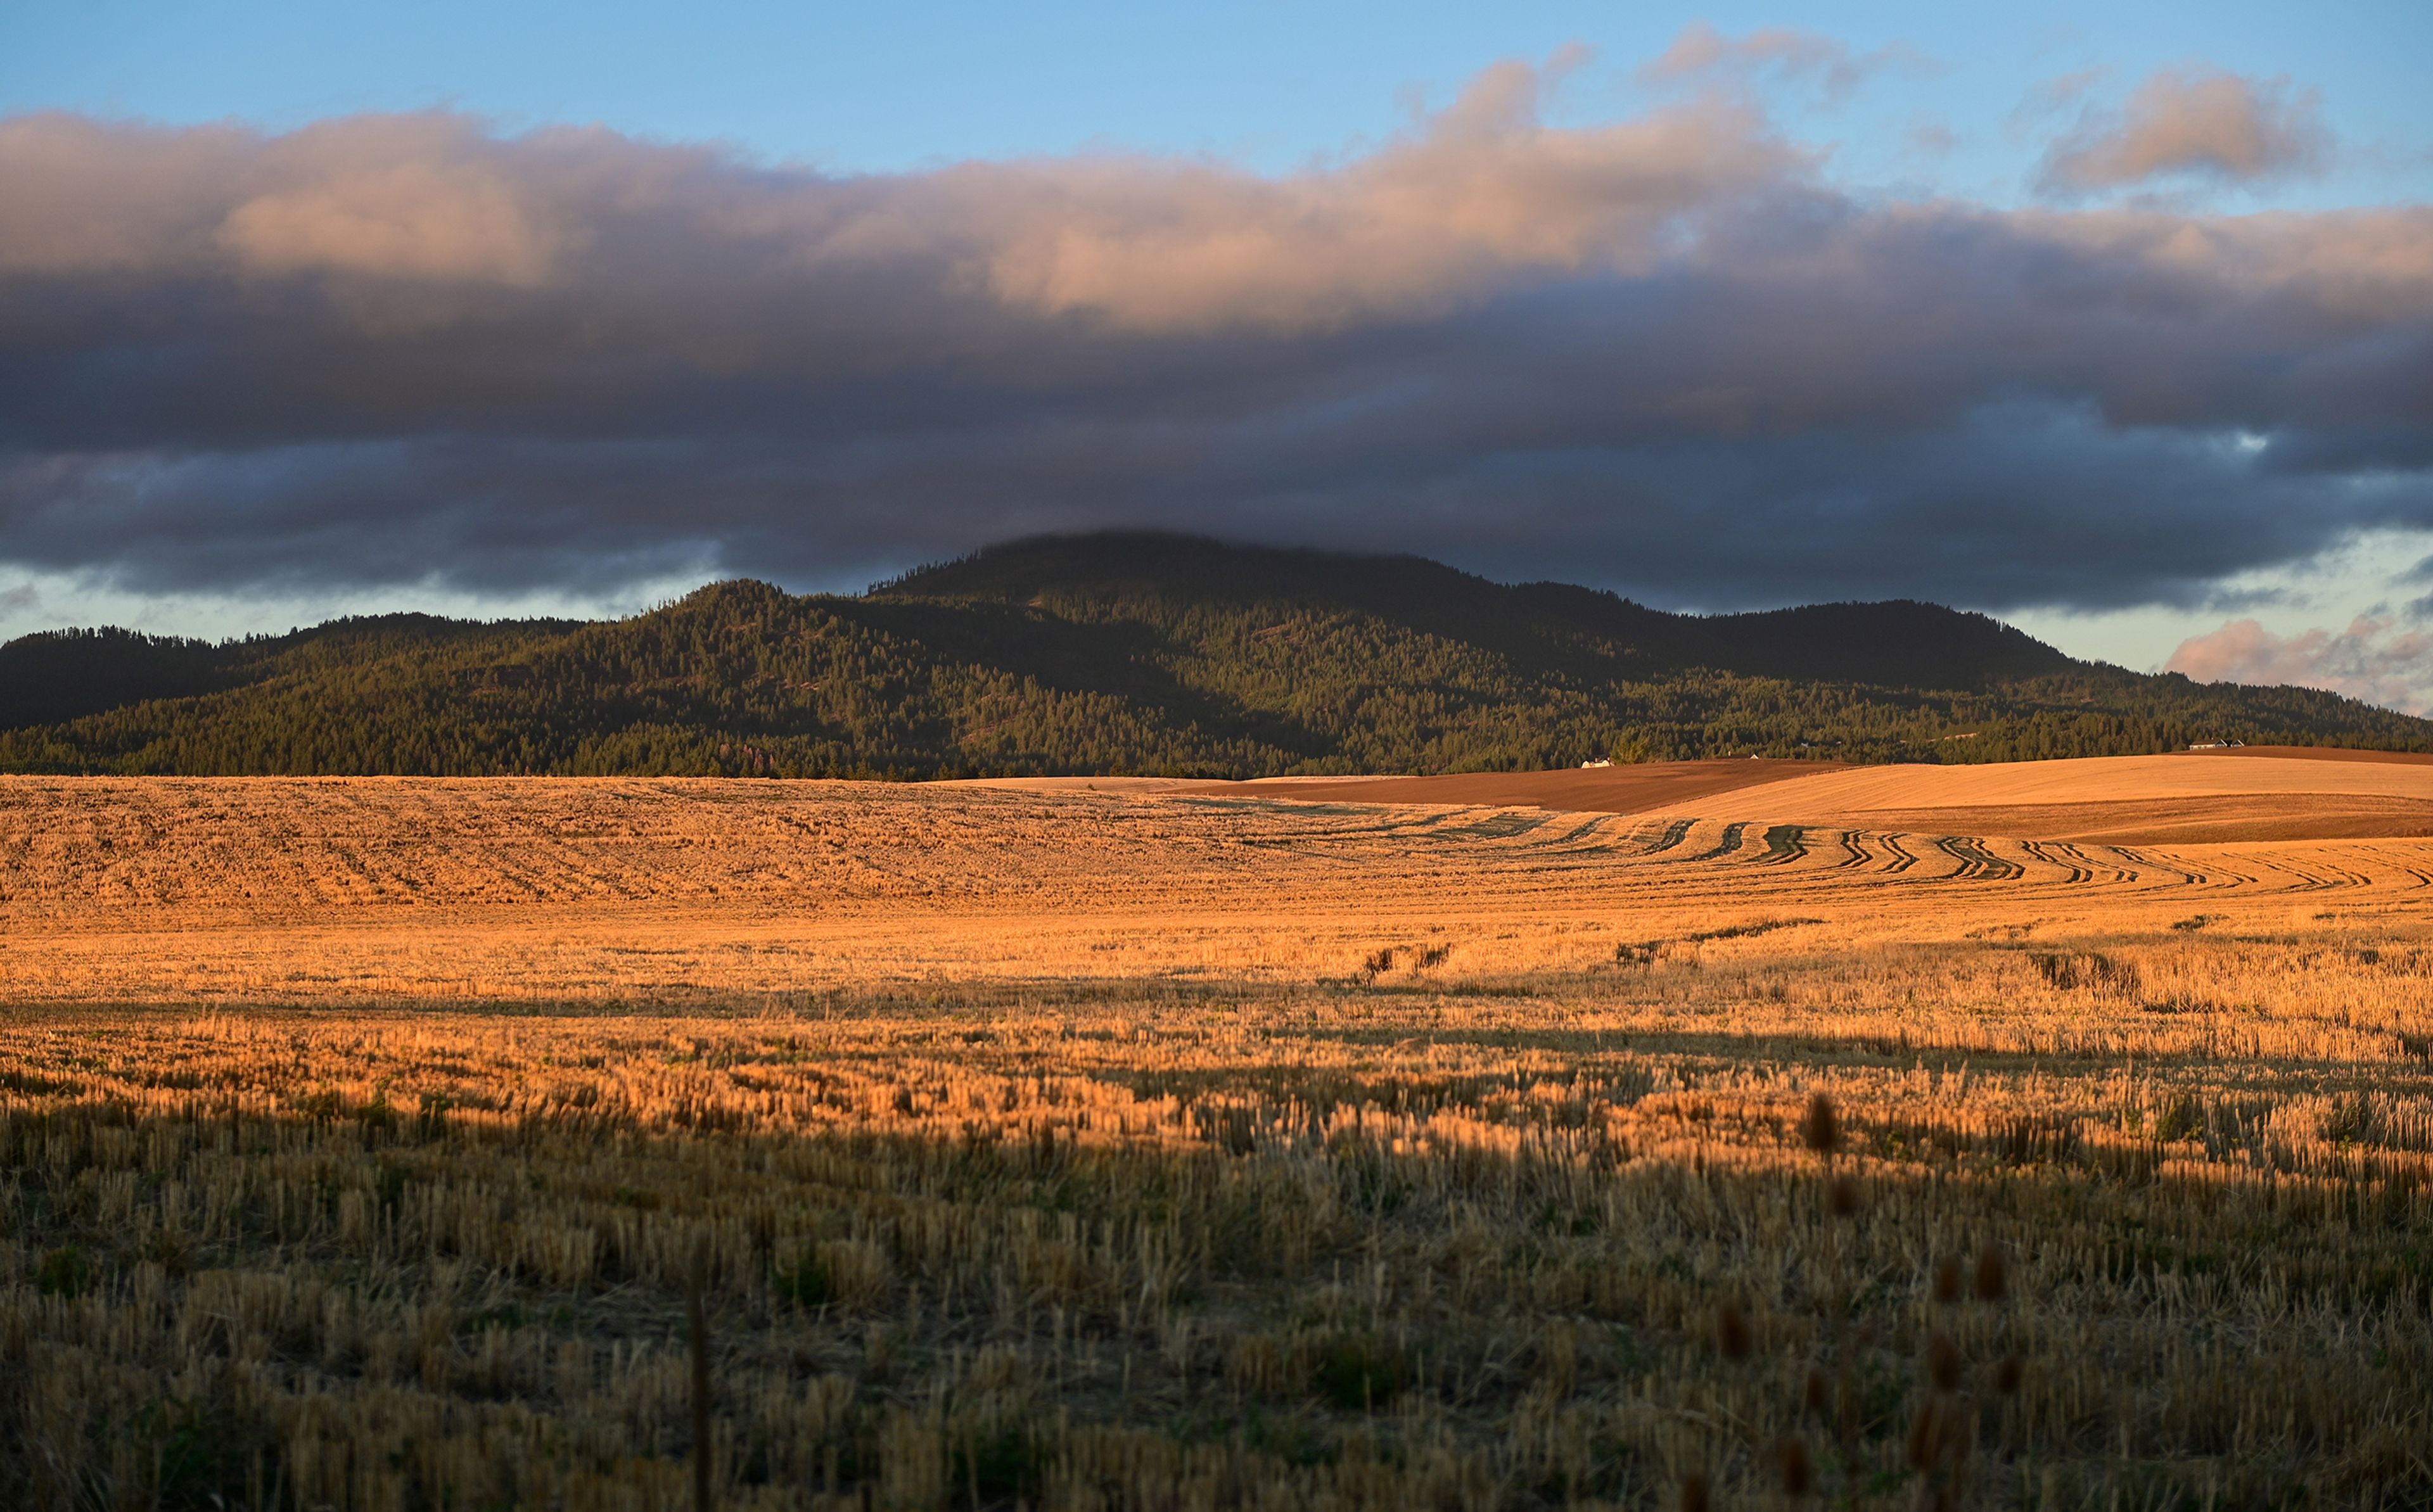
(1119, 653)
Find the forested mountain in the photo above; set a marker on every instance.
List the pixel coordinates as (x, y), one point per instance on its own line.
(1119, 653)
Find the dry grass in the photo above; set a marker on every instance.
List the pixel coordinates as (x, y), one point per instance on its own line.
(1125, 1149)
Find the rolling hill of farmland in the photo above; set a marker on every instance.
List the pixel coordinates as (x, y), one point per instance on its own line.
(1079, 1143)
(1119, 654)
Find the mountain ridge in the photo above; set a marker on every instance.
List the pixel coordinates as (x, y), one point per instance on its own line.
(1119, 653)
(1762, 642)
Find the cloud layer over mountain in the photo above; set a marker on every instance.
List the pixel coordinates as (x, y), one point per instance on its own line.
(2377, 658)
(1668, 354)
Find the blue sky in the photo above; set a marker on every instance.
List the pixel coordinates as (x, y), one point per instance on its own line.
(1949, 143)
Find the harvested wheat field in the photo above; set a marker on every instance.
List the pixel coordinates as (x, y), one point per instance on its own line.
(401, 1143)
(2195, 798)
(2265, 792)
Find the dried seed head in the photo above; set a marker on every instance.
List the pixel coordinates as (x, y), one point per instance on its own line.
(1993, 1274)
(1791, 1458)
(1733, 1336)
(1922, 1437)
(1695, 1494)
(1822, 1129)
(2008, 1372)
(1943, 1363)
(1955, 1435)
(1946, 1280)
(1842, 1196)
(1817, 1394)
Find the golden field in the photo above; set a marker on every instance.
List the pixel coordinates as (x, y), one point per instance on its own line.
(1144, 1144)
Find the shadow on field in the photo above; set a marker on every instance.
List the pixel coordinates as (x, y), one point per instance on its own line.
(884, 1260)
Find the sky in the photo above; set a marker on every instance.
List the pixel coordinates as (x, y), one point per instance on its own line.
(2114, 320)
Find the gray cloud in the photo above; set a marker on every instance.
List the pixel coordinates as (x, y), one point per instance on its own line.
(2192, 123)
(1663, 354)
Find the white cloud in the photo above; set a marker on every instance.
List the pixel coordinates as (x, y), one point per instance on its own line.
(2377, 659)
(1702, 52)
(2197, 123)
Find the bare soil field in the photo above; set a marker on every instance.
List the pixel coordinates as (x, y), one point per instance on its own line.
(413, 1144)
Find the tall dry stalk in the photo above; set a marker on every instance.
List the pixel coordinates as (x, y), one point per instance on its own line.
(697, 1333)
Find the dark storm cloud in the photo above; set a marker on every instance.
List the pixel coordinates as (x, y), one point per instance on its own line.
(1663, 354)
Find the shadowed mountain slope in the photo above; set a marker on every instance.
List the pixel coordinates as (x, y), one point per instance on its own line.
(1119, 654)
(1900, 645)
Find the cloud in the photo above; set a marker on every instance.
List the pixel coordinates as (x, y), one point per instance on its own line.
(2375, 659)
(1483, 195)
(1665, 353)
(1931, 139)
(398, 196)
(2192, 123)
(1702, 52)
(411, 220)
(1479, 194)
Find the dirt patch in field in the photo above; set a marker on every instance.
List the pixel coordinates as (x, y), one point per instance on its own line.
(1616, 789)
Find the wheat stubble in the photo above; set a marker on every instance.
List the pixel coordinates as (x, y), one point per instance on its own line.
(367, 1142)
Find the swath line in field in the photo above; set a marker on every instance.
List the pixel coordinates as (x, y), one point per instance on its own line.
(1730, 842)
(2043, 851)
(1976, 864)
(1784, 843)
(1675, 833)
